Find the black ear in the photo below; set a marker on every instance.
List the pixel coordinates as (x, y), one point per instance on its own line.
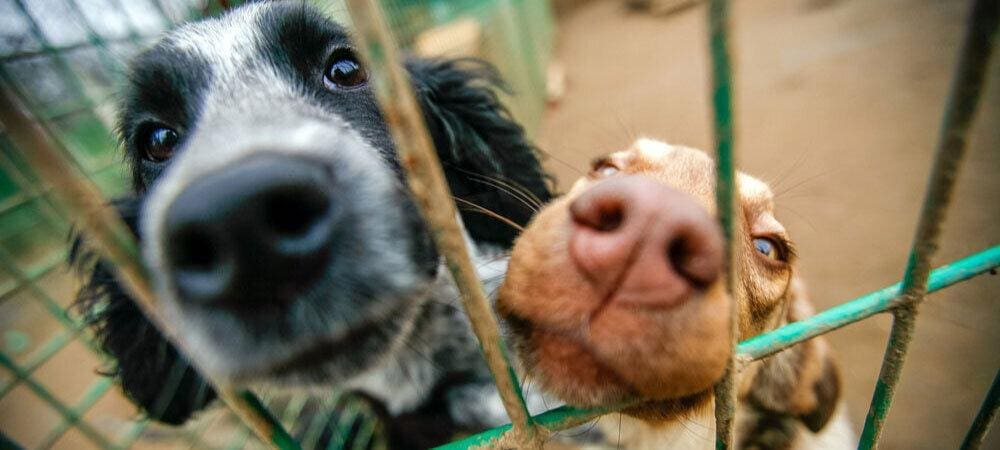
(151, 371)
(487, 158)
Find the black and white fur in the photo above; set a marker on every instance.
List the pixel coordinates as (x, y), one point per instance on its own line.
(386, 322)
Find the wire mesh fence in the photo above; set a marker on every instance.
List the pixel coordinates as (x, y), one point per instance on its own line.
(53, 74)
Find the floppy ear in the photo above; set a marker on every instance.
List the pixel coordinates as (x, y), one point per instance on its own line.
(487, 158)
(151, 371)
(803, 381)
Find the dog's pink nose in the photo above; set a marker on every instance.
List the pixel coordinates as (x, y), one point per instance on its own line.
(643, 242)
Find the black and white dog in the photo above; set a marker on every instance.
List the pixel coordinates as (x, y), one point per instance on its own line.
(283, 243)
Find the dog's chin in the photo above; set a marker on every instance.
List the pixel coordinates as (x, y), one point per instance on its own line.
(566, 367)
(328, 360)
(314, 346)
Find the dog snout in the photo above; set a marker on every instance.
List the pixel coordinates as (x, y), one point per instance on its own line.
(644, 242)
(257, 233)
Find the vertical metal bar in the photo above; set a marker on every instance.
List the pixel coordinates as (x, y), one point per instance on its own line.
(727, 196)
(963, 98)
(984, 418)
(112, 238)
(426, 180)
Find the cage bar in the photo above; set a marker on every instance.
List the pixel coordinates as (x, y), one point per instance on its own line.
(960, 110)
(984, 418)
(726, 199)
(426, 180)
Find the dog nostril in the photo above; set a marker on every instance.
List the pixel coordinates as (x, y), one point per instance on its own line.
(194, 249)
(695, 256)
(601, 214)
(609, 218)
(201, 266)
(294, 210)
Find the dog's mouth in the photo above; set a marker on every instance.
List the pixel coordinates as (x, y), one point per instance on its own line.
(313, 358)
(566, 365)
(570, 367)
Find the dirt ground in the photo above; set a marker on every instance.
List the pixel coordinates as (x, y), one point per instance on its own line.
(837, 106)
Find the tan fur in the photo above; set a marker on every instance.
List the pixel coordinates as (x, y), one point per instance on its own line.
(589, 353)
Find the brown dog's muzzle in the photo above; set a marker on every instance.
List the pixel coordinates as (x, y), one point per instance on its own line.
(616, 293)
(644, 243)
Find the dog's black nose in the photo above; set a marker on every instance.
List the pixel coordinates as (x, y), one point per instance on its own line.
(253, 235)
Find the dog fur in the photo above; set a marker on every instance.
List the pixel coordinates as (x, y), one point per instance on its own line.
(251, 83)
(790, 400)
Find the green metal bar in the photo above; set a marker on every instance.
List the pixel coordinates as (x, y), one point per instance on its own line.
(726, 197)
(960, 110)
(54, 402)
(984, 418)
(554, 419)
(90, 397)
(772, 342)
(319, 421)
(134, 433)
(863, 307)
(278, 436)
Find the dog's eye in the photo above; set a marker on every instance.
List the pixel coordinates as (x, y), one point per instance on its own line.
(768, 247)
(158, 144)
(603, 167)
(345, 71)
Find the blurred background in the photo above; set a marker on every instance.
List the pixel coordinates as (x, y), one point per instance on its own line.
(837, 107)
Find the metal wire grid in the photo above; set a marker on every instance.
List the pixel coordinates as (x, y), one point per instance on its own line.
(74, 107)
(900, 299)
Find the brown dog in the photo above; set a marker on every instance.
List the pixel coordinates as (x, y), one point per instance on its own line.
(615, 292)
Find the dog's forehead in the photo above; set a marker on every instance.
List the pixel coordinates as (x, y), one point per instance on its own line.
(690, 170)
(239, 37)
(225, 38)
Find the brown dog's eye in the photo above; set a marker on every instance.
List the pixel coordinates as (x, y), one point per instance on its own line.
(345, 71)
(768, 248)
(603, 167)
(159, 143)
